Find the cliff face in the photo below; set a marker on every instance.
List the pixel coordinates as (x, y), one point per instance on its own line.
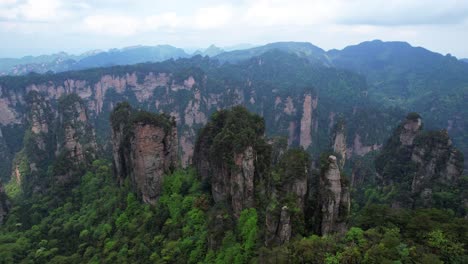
(438, 165)
(153, 153)
(420, 164)
(4, 205)
(75, 137)
(339, 142)
(144, 149)
(58, 137)
(334, 199)
(227, 155)
(31, 163)
(190, 96)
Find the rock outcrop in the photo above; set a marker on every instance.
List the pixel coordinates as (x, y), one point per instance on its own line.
(144, 149)
(419, 164)
(75, 137)
(307, 120)
(339, 142)
(227, 157)
(334, 198)
(4, 205)
(286, 196)
(31, 163)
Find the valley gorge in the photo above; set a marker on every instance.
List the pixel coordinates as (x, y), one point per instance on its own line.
(270, 159)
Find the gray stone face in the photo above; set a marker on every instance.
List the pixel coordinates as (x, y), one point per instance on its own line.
(148, 155)
(334, 199)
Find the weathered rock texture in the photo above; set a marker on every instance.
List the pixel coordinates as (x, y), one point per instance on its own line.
(191, 90)
(4, 205)
(306, 121)
(339, 142)
(31, 163)
(59, 138)
(75, 137)
(230, 165)
(418, 164)
(334, 199)
(144, 150)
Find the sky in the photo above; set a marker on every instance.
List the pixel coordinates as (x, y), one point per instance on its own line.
(34, 27)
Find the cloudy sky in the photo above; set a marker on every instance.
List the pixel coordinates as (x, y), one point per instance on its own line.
(32, 27)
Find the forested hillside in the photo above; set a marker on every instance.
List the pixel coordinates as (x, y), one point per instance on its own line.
(282, 153)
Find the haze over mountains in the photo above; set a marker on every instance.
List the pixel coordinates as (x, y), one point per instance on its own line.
(62, 61)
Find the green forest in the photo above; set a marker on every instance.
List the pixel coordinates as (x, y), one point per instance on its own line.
(98, 220)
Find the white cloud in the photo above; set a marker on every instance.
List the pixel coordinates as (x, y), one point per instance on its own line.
(402, 12)
(118, 25)
(328, 23)
(293, 12)
(213, 17)
(40, 10)
(165, 20)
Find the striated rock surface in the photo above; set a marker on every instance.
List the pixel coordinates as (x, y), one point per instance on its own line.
(334, 199)
(76, 136)
(409, 129)
(4, 205)
(144, 149)
(420, 164)
(76, 140)
(32, 162)
(438, 165)
(284, 227)
(339, 142)
(307, 121)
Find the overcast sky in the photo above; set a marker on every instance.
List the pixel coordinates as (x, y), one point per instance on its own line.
(33, 27)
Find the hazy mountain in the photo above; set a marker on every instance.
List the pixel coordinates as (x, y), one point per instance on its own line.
(211, 51)
(96, 58)
(464, 60)
(39, 64)
(302, 49)
(131, 55)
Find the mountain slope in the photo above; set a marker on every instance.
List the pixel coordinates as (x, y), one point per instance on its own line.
(131, 55)
(414, 79)
(302, 49)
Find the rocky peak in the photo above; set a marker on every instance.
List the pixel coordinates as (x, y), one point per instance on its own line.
(31, 163)
(339, 142)
(144, 149)
(75, 135)
(40, 117)
(410, 128)
(227, 156)
(334, 198)
(419, 163)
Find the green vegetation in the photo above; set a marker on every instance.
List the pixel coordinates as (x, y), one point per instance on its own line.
(100, 222)
(230, 132)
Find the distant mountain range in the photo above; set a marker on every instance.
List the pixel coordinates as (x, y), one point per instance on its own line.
(464, 60)
(396, 73)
